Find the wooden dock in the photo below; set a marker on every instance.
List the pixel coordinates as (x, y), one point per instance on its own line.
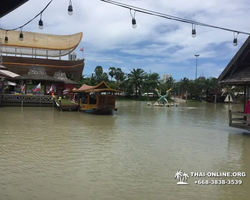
(239, 120)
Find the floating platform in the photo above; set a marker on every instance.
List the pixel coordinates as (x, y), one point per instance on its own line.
(65, 105)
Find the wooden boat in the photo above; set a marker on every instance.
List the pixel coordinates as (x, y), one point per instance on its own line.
(99, 99)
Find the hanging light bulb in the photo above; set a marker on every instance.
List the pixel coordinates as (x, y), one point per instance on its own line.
(21, 36)
(40, 23)
(134, 25)
(70, 8)
(6, 39)
(235, 41)
(193, 31)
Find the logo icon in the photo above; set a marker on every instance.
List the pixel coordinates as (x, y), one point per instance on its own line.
(182, 176)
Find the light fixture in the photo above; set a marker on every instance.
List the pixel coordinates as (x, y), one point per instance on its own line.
(6, 39)
(235, 41)
(193, 31)
(133, 19)
(40, 24)
(21, 36)
(70, 8)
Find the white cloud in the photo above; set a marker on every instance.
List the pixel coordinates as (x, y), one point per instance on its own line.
(157, 44)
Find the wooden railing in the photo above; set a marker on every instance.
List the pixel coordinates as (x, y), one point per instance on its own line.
(25, 99)
(239, 120)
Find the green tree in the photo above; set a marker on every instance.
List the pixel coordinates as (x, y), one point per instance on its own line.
(184, 86)
(151, 82)
(210, 84)
(119, 75)
(136, 79)
(112, 72)
(98, 70)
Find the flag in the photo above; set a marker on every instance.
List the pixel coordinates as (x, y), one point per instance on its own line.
(66, 91)
(37, 88)
(52, 88)
(23, 89)
(1, 86)
(82, 49)
(74, 98)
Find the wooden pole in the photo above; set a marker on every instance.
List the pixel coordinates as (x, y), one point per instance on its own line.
(230, 117)
(215, 98)
(245, 97)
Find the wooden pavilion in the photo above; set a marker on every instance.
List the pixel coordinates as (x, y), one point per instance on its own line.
(36, 75)
(67, 83)
(237, 73)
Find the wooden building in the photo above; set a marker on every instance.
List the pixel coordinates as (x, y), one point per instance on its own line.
(36, 75)
(46, 50)
(237, 73)
(67, 83)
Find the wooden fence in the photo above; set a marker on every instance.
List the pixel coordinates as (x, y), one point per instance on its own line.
(239, 120)
(22, 100)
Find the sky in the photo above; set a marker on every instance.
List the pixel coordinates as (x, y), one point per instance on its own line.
(156, 45)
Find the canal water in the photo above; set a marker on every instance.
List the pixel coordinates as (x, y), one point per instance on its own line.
(132, 155)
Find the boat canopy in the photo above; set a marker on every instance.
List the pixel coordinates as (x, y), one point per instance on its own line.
(101, 87)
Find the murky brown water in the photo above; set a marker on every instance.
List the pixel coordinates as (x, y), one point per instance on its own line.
(132, 155)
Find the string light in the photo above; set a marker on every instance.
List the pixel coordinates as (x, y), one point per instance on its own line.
(6, 39)
(70, 8)
(21, 27)
(133, 19)
(193, 31)
(40, 23)
(235, 42)
(21, 36)
(170, 17)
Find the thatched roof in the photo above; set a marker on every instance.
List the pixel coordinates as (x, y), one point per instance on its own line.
(62, 76)
(237, 71)
(37, 73)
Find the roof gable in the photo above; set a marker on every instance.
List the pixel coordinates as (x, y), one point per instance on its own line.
(240, 61)
(100, 87)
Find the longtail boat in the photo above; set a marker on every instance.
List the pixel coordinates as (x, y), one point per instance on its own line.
(99, 99)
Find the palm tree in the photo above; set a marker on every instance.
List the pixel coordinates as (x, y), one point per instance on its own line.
(179, 175)
(151, 82)
(136, 78)
(210, 84)
(185, 177)
(112, 72)
(184, 85)
(98, 71)
(119, 75)
(170, 82)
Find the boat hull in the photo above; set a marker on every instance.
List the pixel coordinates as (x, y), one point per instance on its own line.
(99, 111)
